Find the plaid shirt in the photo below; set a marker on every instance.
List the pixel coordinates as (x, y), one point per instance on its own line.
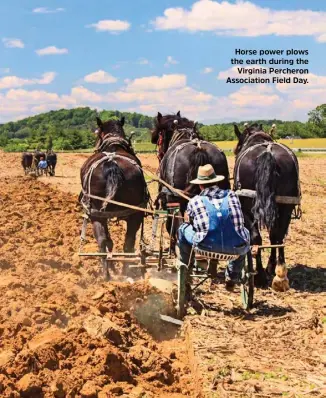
(197, 212)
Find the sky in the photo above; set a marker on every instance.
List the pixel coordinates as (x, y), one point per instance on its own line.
(157, 55)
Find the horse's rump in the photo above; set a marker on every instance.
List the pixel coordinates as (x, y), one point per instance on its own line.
(113, 176)
(271, 170)
(51, 159)
(287, 169)
(27, 160)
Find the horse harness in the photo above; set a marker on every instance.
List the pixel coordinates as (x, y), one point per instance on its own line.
(294, 200)
(110, 140)
(86, 189)
(174, 154)
(178, 134)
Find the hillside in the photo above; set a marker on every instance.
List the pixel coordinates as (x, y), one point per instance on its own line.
(69, 129)
(66, 129)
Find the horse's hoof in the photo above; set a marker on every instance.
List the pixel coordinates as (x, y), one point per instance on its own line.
(261, 280)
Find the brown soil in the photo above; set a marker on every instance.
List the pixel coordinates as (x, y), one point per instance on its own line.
(65, 333)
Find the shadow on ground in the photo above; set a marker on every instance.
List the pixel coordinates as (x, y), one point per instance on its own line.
(307, 279)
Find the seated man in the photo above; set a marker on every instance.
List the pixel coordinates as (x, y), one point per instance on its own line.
(42, 164)
(217, 224)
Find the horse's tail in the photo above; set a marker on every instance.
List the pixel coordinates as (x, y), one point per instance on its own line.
(265, 209)
(199, 157)
(114, 179)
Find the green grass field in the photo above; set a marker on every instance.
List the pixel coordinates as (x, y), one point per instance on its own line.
(229, 145)
(303, 143)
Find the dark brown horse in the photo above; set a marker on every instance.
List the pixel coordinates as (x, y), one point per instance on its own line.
(113, 172)
(27, 161)
(272, 171)
(183, 151)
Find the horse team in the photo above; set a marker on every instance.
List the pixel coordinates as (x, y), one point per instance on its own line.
(263, 167)
(30, 162)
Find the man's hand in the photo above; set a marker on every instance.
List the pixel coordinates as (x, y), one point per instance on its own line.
(254, 250)
(186, 217)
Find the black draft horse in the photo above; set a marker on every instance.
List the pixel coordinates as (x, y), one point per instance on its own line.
(181, 152)
(51, 158)
(113, 172)
(271, 169)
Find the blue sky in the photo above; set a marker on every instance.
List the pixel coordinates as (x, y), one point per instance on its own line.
(149, 56)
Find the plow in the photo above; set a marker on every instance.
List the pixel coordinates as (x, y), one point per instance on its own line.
(159, 255)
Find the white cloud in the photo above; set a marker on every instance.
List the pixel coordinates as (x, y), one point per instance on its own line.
(243, 18)
(51, 50)
(157, 83)
(169, 93)
(170, 61)
(46, 10)
(14, 81)
(100, 77)
(13, 43)
(207, 70)
(83, 94)
(112, 26)
(257, 97)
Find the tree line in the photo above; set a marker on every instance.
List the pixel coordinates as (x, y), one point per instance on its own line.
(70, 129)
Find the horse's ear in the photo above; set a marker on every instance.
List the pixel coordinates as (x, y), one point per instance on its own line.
(237, 131)
(179, 114)
(122, 121)
(99, 122)
(159, 116)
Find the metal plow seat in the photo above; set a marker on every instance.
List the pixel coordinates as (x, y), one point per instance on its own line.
(205, 254)
(186, 273)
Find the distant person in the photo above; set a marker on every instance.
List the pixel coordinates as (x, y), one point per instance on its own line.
(43, 165)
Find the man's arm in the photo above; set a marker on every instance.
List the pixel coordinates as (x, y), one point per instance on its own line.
(188, 216)
(236, 211)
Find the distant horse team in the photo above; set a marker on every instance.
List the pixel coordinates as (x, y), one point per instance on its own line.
(266, 174)
(39, 162)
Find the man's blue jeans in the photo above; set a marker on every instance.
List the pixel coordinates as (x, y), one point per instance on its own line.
(185, 243)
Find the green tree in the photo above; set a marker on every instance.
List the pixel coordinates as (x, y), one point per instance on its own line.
(49, 143)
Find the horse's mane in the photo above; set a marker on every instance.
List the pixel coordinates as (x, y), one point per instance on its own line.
(167, 121)
(260, 136)
(113, 126)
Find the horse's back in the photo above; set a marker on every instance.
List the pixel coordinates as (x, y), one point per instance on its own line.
(183, 158)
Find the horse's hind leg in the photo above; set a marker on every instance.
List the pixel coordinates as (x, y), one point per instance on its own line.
(277, 235)
(256, 240)
(285, 212)
(133, 224)
(104, 241)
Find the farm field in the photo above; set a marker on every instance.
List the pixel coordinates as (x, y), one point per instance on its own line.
(66, 333)
(301, 143)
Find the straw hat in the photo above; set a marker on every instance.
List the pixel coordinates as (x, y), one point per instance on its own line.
(206, 175)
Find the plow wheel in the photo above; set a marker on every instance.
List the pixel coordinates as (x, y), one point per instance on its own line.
(247, 282)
